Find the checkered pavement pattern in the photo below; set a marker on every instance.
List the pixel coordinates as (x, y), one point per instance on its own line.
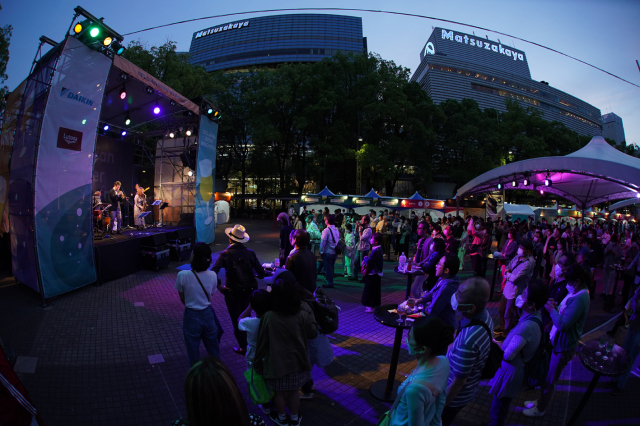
(115, 354)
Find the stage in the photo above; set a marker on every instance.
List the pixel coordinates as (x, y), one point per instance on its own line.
(120, 255)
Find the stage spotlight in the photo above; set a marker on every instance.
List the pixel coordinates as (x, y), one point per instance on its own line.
(77, 28)
(500, 185)
(188, 132)
(541, 192)
(172, 102)
(106, 127)
(107, 41)
(548, 182)
(124, 76)
(127, 120)
(94, 32)
(526, 182)
(514, 183)
(210, 111)
(190, 173)
(638, 195)
(149, 90)
(156, 109)
(172, 135)
(123, 93)
(124, 133)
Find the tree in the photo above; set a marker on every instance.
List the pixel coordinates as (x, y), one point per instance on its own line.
(5, 39)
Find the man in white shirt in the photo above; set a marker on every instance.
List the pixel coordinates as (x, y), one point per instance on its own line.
(328, 242)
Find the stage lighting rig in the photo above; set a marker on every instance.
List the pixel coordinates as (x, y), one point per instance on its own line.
(95, 34)
(149, 90)
(500, 186)
(123, 92)
(127, 120)
(156, 109)
(210, 111)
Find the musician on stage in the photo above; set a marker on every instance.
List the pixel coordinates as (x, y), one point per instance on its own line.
(116, 197)
(96, 198)
(139, 206)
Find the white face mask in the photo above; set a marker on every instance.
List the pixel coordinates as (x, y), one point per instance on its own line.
(558, 270)
(412, 349)
(571, 288)
(520, 252)
(520, 301)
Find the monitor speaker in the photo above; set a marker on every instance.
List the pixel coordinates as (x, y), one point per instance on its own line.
(154, 240)
(181, 233)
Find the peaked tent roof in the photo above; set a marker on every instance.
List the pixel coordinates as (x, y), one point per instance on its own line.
(371, 194)
(517, 209)
(416, 196)
(326, 193)
(592, 175)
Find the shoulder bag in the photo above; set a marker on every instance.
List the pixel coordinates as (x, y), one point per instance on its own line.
(215, 318)
(494, 360)
(339, 246)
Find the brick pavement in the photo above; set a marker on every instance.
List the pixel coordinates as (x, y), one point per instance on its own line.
(92, 347)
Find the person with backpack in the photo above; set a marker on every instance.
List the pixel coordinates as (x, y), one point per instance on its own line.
(568, 322)
(471, 347)
(520, 346)
(195, 288)
(328, 243)
(241, 266)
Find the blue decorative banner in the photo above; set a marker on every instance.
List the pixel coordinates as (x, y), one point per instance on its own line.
(205, 180)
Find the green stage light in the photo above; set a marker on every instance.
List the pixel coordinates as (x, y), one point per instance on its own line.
(127, 120)
(210, 111)
(94, 32)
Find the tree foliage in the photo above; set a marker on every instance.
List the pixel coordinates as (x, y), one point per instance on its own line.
(5, 39)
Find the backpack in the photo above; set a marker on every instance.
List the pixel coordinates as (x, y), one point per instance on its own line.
(243, 270)
(494, 360)
(324, 310)
(535, 370)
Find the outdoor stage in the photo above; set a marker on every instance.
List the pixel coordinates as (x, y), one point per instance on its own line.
(120, 255)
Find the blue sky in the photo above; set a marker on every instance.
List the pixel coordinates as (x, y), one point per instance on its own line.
(603, 33)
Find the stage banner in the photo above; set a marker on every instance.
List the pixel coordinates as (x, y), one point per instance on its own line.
(20, 200)
(205, 174)
(64, 171)
(494, 203)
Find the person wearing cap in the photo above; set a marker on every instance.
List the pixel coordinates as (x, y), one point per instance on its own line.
(518, 273)
(236, 296)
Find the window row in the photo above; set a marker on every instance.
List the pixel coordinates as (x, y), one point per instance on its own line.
(274, 52)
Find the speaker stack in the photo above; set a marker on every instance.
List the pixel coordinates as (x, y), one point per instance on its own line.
(155, 252)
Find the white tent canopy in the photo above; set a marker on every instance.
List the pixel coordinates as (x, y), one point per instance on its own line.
(592, 175)
(516, 209)
(624, 203)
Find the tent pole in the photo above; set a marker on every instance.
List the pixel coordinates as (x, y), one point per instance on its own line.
(457, 206)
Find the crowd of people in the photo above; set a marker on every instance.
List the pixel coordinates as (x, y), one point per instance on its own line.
(547, 273)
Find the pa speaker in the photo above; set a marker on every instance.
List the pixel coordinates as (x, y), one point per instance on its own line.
(154, 240)
(180, 234)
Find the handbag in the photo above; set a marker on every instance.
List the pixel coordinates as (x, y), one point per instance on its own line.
(320, 351)
(215, 317)
(260, 393)
(340, 245)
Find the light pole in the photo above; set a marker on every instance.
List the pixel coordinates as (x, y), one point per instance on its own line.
(358, 169)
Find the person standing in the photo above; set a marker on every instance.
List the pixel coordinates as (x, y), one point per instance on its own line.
(241, 267)
(284, 242)
(350, 252)
(470, 350)
(423, 252)
(328, 242)
(195, 288)
(612, 256)
(517, 274)
(116, 197)
(519, 347)
(421, 396)
(478, 232)
(302, 263)
(568, 322)
(139, 206)
(362, 249)
(314, 234)
(372, 293)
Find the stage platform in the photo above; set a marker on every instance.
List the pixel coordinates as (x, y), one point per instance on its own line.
(120, 255)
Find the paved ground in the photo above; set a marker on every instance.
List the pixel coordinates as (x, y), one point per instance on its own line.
(88, 354)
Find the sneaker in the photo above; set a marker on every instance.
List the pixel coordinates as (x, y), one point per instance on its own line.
(296, 422)
(533, 412)
(275, 418)
(530, 404)
(305, 395)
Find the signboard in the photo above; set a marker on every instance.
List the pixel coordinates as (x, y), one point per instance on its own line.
(226, 27)
(309, 200)
(481, 44)
(363, 201)
(423, 204)
(339, 200)
(389, 203)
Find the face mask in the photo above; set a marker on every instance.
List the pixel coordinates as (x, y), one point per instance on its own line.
(445, 232)
(455, 305)
(520, 252)
(571, 288)
(536, 239)
(412, 349)
(478, 227)
(520, 302)
(558, 270)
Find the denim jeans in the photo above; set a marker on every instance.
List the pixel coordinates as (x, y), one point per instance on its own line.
(360, 255)
(499, 410)
(200, 326)
(631, 344)
(329, 261)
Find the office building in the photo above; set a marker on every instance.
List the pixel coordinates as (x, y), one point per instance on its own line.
(612, 128)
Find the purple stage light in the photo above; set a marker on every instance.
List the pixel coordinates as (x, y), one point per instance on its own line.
(124, 133)
(156, 110)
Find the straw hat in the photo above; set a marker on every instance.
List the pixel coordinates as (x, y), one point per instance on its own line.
(237, 233)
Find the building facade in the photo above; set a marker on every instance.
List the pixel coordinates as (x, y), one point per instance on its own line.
(612, 128)
(455, 65)
(270, 40)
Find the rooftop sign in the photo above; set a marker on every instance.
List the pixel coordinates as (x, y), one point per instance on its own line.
(480, 44)
(221, 28)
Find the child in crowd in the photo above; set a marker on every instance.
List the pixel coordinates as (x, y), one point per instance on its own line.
(350, 251)
(260, 302)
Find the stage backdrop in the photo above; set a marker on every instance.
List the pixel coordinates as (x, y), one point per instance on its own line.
(113, 161)
(205, 174)
(64, 169)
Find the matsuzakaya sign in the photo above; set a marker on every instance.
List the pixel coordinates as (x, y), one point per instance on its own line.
(473, 42)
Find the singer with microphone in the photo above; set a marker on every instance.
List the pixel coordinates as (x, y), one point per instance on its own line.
(116, 197)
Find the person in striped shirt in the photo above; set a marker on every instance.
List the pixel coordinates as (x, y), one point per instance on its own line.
(470, 350)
